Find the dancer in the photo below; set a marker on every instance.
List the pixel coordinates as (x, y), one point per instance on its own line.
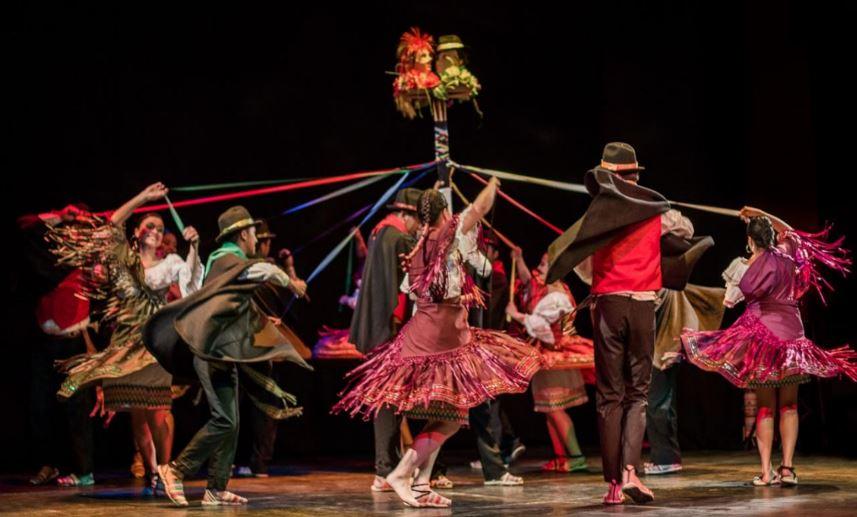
(766, 349)
(63, 319)
(380, 311)
(437, 367)
(208, 335)
(616, 247)
(272, 301)
(559, 385)
(135, 283)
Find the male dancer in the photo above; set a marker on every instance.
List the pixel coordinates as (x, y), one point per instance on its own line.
(222, 328)
(620, 235)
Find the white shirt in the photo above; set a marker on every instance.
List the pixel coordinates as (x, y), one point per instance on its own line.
(551, 308)
(172, 269)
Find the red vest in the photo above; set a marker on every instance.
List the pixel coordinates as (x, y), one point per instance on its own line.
(632, 262)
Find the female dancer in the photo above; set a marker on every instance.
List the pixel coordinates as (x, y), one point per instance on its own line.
(437, 367)
(559, 385)
(135, 283)
(766, 349)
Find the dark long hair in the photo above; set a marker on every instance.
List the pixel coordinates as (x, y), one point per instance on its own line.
(761, 230)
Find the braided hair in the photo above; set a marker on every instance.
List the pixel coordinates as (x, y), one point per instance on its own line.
(429, 207)
(761, 230)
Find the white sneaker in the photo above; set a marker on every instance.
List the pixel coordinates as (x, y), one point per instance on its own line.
(656, 470)
(243, 472)
(506, 480)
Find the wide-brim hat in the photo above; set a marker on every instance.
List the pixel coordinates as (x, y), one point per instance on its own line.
(234, 220)
(449, 42)
(620, 158)
(406, 199)
(263, 232)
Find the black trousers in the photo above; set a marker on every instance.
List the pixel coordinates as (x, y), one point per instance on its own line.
(47, 432)
(217, 441)
(484, 419)
(661, 417)
(624, 335)
(387, 431)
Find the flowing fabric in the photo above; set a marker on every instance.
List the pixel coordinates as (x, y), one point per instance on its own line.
(766, 346)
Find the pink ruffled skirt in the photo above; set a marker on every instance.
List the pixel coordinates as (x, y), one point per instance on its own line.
(750, 355)
(438, 368)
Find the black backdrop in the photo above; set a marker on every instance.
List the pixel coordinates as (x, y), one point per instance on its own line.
(727, 104)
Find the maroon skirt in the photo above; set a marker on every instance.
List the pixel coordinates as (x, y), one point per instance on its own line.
(438, 368)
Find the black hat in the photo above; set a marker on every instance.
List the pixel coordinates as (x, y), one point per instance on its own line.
(263, 232)
(406, 199)
(234, 220)
(620, 157)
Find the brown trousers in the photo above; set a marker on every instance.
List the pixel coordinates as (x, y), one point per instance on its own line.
(624, 332)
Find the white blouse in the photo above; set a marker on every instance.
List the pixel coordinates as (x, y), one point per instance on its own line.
(550, 309)
(732, 276)
(172, 269)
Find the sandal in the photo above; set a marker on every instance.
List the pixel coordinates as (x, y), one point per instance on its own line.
(173, 486)
(791, 479)
(578, 463)
(442, 483)
(429, 498)
(72, 480)
(45, 474)
(613, 496)
(214, 497)
(759, 480)
(637, 492)
(558, 464)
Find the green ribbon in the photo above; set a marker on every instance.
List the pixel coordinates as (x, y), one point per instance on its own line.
(237, 184)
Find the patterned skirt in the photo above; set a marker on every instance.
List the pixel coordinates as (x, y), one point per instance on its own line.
(148, 388)
(558, 389)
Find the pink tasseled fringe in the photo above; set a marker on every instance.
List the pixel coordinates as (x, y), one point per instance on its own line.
(748, 353)
(813, 249)
(491, 364)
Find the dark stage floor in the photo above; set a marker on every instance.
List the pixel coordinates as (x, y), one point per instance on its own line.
(715, 483)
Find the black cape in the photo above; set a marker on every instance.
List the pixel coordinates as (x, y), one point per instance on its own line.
(219, 322)
(371, 324)
(617, 204)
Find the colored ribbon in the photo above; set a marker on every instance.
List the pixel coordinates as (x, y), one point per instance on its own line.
(176, 218)
(333, 228)
(520, 206)
(236, 184)
(344, 242)
(560, 185)
(577, 187)
(280, 188)
(342, 191)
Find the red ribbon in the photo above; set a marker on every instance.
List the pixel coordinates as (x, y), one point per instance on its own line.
(520, 206)
(272, 190)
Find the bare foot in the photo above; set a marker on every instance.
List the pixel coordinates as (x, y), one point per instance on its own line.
(400, 478)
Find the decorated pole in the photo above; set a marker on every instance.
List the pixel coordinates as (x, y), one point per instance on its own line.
(418, 86)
